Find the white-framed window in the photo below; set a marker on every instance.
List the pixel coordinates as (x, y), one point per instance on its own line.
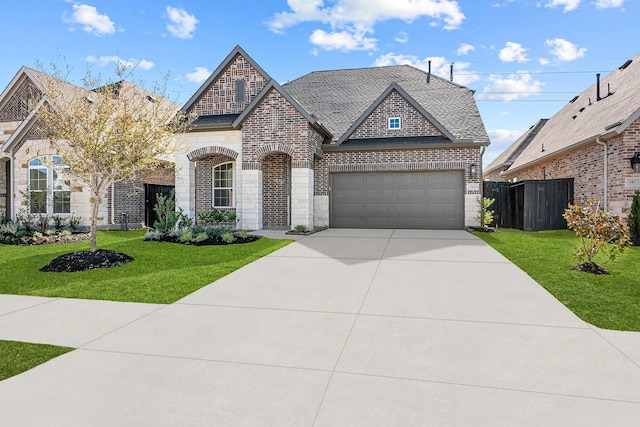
(223, 186)
(395, 123)
(49, 187)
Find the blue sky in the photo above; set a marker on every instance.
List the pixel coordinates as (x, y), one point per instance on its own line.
(524, 58)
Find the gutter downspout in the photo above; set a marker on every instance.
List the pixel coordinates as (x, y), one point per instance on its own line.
(605, 179)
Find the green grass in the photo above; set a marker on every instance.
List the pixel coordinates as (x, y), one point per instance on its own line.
(610, 302)
(161, 273)
(18, 357)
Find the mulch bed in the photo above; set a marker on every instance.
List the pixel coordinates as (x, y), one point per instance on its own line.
(85, 260)
(590, 267)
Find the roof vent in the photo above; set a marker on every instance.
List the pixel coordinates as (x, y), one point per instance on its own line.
(625, 65)
(574, 99)
(582, 109)
(151, 98)
(613, 125)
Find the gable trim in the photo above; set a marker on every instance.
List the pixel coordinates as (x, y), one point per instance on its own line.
(218, 72)
(395, 86)
(23, 128)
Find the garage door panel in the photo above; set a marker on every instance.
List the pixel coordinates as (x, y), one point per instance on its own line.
(432, 199)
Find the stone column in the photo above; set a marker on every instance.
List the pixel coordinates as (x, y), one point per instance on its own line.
(302, 197)
(249, 198)
(186, 185)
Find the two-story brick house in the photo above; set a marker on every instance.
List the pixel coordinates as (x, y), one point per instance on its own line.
(385, 147)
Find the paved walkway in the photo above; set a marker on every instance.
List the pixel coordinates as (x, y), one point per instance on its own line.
(341, 328)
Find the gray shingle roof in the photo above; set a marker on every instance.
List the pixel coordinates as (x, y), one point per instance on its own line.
(338, 98)
(508, 156)
(582, 120)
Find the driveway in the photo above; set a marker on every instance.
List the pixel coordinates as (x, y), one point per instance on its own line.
(341, 328)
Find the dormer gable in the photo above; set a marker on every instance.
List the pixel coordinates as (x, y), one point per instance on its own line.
(230, 88)
(20, 97)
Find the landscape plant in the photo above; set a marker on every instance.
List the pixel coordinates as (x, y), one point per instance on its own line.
(634, 219)
(598, 231)
(485, 215)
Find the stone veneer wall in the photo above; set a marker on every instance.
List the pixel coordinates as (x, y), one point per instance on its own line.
(585, 166)
(276, 190)
(376, 125)
(222, 98)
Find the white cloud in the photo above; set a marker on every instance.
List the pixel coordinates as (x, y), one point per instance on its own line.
(91, 21)
(440, 66)
(181, 24)
(103, 61)
(564, 50)
(342, 40)
(513, 52)
(199, 75)
(402, 37)
(544, 61)
(504, 136)
(568, 5)
(606, 4)
(509, 88)
(503, 4)
(464, 49)
(359, 17)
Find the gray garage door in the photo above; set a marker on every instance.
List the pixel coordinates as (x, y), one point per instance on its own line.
(422, 200)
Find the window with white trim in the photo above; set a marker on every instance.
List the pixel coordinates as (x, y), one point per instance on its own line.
(395, 123)
(223, 186)
(49, 187)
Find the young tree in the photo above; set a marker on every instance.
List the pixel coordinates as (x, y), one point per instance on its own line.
(107, 133)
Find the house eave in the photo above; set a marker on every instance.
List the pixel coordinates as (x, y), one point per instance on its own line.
(396, 146)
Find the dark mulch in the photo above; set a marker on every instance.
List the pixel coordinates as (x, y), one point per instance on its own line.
(590, 267)
(85, 260)
(213, 240)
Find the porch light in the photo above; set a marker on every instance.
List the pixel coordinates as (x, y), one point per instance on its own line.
(635, 163)
(473, 168)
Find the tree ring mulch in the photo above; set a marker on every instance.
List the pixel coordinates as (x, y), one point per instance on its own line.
(85, 260)
(590, 267)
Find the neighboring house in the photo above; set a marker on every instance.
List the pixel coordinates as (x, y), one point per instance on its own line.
(385, 147)
(30, 163)
(593, 139)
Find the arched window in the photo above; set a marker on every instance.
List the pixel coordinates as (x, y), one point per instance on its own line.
(223, 186)
(49, 188)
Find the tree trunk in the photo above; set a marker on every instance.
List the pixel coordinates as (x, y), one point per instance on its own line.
(93, 234)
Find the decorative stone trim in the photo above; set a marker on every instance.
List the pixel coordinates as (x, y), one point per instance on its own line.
(256, 166)
(305, 164)
(390, 167)
(212, 150)
(275, 147)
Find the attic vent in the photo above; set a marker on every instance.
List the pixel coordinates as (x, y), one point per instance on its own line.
(151, 98)
(240, 93)
(582, 109)
(625, 65)
(574, 99)
(574, 117)
(613, 125)
(89, 100)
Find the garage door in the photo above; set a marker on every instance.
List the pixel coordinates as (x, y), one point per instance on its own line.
(422, 200)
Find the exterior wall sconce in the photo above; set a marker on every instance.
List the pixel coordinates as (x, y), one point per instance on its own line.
(473, 168)
(635, 163)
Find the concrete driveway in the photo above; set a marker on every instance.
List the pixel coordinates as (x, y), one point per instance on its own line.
(341, 328)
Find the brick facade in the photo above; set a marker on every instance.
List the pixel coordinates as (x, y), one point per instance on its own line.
(204, 181)
(394, 105)
(586, 166)
(222, 96)
(276, 190)
(395, 160)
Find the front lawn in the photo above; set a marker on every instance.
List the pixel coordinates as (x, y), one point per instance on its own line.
(161, 273)
(18, 357)
(610, 302)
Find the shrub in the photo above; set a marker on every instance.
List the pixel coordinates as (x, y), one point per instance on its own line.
(74, 222)
(200, 237)
(152, 235)
(597, 231)
(217, 217)
(300, 228)
(228, 237)
(11, 228)
(243, 234)
(168, 218)
(58, 222)
(485, 215)
(187, 236)
(634, 219)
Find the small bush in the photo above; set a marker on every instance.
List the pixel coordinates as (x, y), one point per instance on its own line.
(300, 228)
(634, 219)
(187, 236)
(200, 237)
(217, 217)
(58, 222)
(74, 222)
(228, 237)
(597, 231)
(485, 215)
(243, 234)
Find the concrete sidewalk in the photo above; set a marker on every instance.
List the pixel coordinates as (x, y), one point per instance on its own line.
(343, 327)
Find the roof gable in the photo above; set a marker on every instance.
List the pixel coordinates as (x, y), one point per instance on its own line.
(248, 68)
(394, 87)
(20, 96)
(273, 85)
